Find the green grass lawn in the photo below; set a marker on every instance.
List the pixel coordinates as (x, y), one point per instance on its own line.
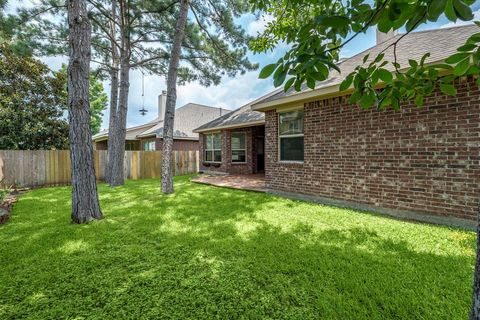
(208, 252)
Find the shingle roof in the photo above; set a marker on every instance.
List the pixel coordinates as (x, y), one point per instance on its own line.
(241, 116)
(441, 43)
(187, 118)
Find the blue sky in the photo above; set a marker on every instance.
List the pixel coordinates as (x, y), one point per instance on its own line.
(231, 93)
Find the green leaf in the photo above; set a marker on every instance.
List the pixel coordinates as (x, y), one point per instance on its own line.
(474, 38)
(267, 71)
(332, 21)
(457, 57)
(436, 8)
(366, 101)
(379, 57)
(419, 100)
(462, 11)
(462, 67)
(346, 83)
(279, 76)
(466, 47)
(354, 97)
(385, 75)
(310, 82)
(448, 89)
(365, 58)
(288, 84)
(450, 12)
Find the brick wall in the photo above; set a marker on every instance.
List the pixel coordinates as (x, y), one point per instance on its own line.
(100, 145)
(423, 160)
(226, 165)
(178, 145)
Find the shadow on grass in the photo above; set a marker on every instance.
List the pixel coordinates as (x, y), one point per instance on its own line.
(207, 252)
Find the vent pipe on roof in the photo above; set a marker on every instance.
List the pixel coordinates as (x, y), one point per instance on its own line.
(162, 104)
(382, 36)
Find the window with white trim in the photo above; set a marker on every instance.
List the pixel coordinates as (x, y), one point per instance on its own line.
(212, 144)
(149, 145)
(290, 136)
(238, 147)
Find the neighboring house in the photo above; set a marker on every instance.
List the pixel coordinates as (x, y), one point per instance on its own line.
(318, 146)
(148, 137)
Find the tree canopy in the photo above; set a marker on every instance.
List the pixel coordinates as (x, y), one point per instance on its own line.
(32, 108)
(317, 30)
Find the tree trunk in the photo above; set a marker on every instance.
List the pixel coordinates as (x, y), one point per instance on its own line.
(475, 311)
(167, 178)
(117, 133)
(85, 206)
(113, 86)
(113, 112)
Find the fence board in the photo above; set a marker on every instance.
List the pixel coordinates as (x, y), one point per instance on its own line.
(35, 168)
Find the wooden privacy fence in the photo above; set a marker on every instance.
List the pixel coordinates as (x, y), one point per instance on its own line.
(35, 168)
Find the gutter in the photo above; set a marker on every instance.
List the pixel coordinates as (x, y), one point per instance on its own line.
(233, 126)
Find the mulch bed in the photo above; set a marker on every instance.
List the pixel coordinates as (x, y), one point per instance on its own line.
(6, 206)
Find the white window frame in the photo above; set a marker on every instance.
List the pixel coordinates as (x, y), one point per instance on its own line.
(213, 146)
(244, 149)
(150, 143)
(279, 137)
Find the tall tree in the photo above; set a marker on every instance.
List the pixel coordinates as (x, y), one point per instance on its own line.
(206, 46)
(167, 177)
(317, 30)
(85, 205)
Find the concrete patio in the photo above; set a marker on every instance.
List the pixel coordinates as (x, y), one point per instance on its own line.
(250, 182)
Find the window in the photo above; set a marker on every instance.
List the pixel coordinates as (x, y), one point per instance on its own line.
(129, 146)
(290, 136)
(149, 146)
(212, 143)
(238, 147)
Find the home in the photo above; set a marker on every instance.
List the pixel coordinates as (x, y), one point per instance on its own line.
(149, 136)
(418, 163)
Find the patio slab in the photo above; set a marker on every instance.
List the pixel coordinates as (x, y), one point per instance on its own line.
(251, 182)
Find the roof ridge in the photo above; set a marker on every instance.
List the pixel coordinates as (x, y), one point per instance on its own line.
(405, 34)
(201, 105)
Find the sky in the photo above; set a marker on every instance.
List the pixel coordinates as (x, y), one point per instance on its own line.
(231, 93)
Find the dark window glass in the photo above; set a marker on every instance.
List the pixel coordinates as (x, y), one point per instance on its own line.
(291, 149)
(217, 155)
(208, 155)
(238, 156)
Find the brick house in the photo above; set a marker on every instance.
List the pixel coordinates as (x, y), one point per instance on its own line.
(148, 137)
(419, 163)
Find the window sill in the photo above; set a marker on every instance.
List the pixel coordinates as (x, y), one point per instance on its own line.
(238, 162)
(290, 162)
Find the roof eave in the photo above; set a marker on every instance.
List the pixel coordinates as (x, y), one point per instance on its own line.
(319, 93)
(300, 97)
(233, 126)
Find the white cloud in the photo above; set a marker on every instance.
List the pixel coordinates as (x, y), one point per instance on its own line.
(476, 16)
(259, 25)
